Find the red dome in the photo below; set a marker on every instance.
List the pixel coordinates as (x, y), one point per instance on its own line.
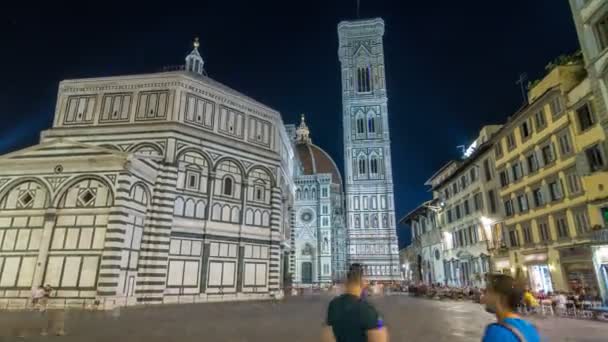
(314, 160)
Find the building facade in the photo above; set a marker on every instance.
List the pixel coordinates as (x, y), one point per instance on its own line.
(319, 231)
(370, 211)
(407, 257)
(153, 188)
(551, 163)
(591, 21)
(427, 248)
(468, 193)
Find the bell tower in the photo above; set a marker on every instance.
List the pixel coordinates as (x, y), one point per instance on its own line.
(370, 210)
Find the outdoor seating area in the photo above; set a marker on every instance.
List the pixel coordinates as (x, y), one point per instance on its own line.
(570, 308)
(445, 292)
(561, 304)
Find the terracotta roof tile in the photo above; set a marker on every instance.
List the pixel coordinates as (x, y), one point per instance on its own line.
(315, 160)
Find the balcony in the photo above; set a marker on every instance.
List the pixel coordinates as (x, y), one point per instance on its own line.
(596, 236)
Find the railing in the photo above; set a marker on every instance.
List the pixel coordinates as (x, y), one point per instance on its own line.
(598, 235)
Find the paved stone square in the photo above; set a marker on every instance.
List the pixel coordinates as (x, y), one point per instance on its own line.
(294, 320)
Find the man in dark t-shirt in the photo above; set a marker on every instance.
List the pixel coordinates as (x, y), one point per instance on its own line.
(351, 319)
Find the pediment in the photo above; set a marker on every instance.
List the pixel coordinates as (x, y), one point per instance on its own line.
(362, 52)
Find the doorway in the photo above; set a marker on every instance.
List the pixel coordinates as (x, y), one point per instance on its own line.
(307, 272)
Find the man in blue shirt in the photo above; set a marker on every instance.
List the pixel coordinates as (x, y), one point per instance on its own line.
(502, 298)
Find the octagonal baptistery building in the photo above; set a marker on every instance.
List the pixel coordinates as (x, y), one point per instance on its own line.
(319, 246)
(154, 188)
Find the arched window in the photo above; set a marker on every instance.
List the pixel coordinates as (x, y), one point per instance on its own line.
(362, 166)
(227, 189)
(364, 81)
(298, 194)
(313, 193)
(189, 209)
(373, 165)
(360, 126)
(200, 210)
(178, 208)
(371, 125)
(139, 194)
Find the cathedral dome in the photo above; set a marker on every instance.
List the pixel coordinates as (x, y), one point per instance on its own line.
(312, 158)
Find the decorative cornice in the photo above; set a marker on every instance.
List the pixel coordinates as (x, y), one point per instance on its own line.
(180, 81)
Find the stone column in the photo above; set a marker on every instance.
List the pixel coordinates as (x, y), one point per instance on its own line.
(45, 244)
(210, 190)
(275, 240)
(240, 269)
(156, 237)
(111, 257)
(205, 266)
(244, 194)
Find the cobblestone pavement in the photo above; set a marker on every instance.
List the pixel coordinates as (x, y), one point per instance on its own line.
(294, 320)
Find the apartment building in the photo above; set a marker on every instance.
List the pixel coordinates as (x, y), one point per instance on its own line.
(468, 196)
(551, 164)
(427, 247)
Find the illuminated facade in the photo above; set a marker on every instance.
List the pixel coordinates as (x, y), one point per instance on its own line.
(425, 254)
(370, 211)
(468, 196)
(591, 20)
(319, 232)
(552, 167)
(154, 188)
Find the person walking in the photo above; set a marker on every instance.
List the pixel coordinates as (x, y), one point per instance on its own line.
(37, 295)
(55, 318)
(502, 298)
(350, 318)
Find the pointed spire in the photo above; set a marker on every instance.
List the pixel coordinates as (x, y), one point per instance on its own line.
(302, 132)
(194, 61)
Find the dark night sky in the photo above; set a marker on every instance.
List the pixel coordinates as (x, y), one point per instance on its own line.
(451, 65)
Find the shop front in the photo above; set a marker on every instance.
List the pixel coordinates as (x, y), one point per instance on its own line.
(577, 263)
(538, 272)
(600, 263)
(540, 278)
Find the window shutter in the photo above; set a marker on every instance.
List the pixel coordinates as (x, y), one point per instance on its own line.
(545, 193)
(539, 158)
(582, 164)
